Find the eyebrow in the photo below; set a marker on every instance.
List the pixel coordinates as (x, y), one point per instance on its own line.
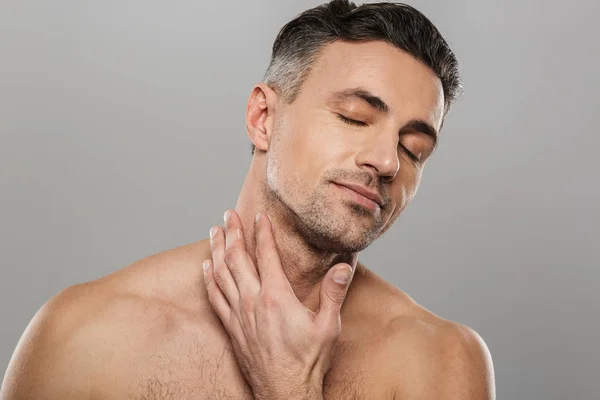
(380, 105)
(373, 100)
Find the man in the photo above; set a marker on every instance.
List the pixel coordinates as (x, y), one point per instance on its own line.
(342, 127)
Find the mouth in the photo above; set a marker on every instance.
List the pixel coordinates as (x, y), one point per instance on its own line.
(359, 198)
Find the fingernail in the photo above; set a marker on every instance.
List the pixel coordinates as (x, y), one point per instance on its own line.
(341, 276)
(206, 264)
(226, 216)
(213, 231)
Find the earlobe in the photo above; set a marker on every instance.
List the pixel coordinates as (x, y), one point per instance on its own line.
(260, 116)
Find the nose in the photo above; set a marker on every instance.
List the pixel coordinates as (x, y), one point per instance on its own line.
(381, 154)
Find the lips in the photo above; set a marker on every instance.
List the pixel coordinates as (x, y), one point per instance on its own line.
(369, 194)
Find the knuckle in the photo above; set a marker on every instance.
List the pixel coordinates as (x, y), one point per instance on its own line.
(219, 278)
(210, 288)
(229, 255)
(269, 299)
(247, 304)
(262, 252)
(336, 297)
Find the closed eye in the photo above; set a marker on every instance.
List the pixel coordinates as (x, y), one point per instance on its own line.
(351, 121)
(410, 154)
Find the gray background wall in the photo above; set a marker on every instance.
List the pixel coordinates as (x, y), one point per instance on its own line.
(113, 113)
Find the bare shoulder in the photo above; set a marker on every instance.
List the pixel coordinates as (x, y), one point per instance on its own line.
(47, 349)
(428, 356)
(441, 358)
(436, 357)
(89, 326)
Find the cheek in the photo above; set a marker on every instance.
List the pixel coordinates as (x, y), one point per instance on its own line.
(309, 146)
(292, 157)
(406, 185)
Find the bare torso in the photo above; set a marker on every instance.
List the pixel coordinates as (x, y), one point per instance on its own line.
(148, 332)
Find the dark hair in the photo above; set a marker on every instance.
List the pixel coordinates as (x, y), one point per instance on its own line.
(299, 41)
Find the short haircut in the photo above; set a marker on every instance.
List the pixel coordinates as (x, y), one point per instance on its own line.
(298, 43)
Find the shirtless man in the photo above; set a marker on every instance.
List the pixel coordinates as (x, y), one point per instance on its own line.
(352, 102)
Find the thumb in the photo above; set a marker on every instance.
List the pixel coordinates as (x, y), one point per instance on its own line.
(333, 293)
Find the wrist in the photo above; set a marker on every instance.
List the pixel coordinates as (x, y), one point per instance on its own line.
(309, 387)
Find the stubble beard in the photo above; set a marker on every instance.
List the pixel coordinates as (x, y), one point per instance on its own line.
(318, 220)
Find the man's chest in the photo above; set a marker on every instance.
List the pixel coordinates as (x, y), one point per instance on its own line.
(213, 374)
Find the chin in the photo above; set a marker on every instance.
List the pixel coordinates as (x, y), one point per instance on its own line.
(353, 240)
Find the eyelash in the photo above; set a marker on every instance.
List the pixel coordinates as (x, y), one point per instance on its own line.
(351, 121)
(360, 123)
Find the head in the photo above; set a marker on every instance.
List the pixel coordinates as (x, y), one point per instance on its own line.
(352, 95)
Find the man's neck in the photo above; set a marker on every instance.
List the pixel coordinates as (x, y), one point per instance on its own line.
(303, 264)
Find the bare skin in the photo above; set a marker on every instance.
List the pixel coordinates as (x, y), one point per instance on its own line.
(148, 331)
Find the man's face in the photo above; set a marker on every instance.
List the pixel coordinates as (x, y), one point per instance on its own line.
(366, 115)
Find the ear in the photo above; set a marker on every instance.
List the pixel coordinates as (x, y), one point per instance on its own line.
(260, 115)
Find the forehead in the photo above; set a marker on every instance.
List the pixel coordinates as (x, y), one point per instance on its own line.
(407, 85)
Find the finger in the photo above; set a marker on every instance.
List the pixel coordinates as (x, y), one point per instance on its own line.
(221, 273)
(267, 256)
(216, 298)
(332, 295)
(236, 256)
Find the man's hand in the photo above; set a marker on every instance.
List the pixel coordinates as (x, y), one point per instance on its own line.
(283, 349)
